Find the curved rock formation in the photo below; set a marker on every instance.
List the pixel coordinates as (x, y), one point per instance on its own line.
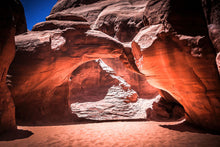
(138, 82)
(173, 51)
(12, 22)
(178, 63)
(44, 62)
(98, 93)
(47, 55)
(91, 82)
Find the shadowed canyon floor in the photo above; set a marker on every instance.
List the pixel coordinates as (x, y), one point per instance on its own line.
(117, 134)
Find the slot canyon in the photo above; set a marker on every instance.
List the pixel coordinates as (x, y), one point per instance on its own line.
(111, 73)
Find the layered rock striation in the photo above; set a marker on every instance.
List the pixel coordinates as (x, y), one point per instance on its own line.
(165, 41)
(47, 56)
(177, 56)
(99, 94)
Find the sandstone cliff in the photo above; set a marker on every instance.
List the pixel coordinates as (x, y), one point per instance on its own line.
(171, 43)
(12, 22)
(176, 55)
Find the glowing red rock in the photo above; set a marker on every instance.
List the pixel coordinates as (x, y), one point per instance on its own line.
(179, 63)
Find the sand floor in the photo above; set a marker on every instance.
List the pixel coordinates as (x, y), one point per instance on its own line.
(114, 134)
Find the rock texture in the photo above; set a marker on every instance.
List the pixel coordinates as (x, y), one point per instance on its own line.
(138, 82)
(91, 82)
(212, 13)
(163, 110)
(47, 56)
(176, 59)
(97, 93)
(121, 19)
(12, 22)
(170, 44)
(43, 65)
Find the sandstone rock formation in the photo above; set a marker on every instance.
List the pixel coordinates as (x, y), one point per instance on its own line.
(121, 19)
(43, 64)
(170, 47)
(97, 93)
(212, 13)
(46, 57)
(176, 59)
(138, 82)
(91, 82)
(12, 22)
(162, 110)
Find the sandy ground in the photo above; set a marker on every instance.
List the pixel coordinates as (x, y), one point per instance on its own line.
(115, 134)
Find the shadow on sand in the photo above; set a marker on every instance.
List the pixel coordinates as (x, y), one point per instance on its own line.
(14, 135)
(187, 127)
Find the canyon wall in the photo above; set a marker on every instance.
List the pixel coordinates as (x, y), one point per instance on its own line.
(176, 55)
(212, 13)
(12, 22)
(166, 42)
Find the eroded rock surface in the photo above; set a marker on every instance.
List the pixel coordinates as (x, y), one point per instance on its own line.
(121, 19)
(183, 59)
(44, 62)
(172, 51)
(99, 94)
(138, 82)
(47, 55)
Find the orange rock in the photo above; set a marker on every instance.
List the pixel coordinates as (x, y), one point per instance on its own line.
(43, 65)
(180, 68)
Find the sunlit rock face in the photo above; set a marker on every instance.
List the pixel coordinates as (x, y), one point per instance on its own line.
(90, 83)
(12, 22)
(138, 82)
(43, 64)
(47, 56)
(170, 47)
(180, 60)
(99, 94)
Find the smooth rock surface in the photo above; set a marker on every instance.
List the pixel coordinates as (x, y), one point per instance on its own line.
(181, 69)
